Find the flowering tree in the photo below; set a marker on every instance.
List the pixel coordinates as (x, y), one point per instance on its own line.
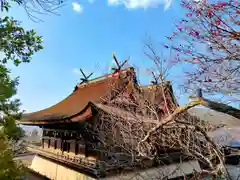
(207, 39)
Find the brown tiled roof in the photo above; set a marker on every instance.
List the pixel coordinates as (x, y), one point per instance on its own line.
(121, 113)
(153, 93)
(75, 104)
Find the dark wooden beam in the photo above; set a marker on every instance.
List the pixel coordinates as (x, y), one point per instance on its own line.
(217, 106)
(220, 107)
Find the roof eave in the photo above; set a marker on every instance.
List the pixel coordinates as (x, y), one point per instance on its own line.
(81, 116)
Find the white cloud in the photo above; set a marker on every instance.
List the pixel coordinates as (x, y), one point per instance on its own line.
(167, 4)
(91, 1)
(114, 2)
(77, 7)
(77, 71)
(132, 4)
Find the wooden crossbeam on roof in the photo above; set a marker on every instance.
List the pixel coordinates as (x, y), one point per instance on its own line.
(85, 78)
(119, 65)
(155, 79)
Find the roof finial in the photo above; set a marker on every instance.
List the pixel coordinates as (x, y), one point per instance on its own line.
(85, 78)
(155, 79)
(119, 66)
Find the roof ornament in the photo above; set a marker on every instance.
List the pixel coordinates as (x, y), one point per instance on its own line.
(117, 69)
(155, 79)
(85, 78)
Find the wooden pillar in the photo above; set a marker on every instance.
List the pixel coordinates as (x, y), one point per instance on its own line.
(52, 142)
(68, 146)
(86, 149)
(82, 148)
(72, 145)
(62, 145)
(76, 148)
(55, 144)
(49, 142)
(59, 148)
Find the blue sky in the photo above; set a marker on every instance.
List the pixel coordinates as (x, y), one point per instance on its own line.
(84, 36)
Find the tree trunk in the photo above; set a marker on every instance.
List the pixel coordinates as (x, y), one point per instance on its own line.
(220, 107)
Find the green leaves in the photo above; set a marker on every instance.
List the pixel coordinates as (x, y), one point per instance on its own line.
(17, 44)
(5, 5)
(9, 170)
(7, 85)
(11, 130)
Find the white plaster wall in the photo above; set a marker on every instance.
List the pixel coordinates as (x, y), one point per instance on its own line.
(55, 171)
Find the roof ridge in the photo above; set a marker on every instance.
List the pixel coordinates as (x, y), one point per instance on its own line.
(100, 78)
(167, 82)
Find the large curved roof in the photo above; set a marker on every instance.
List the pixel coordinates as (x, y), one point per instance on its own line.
(77, 106)
(75, 103)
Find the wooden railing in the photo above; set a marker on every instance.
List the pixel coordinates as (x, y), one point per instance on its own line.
(89, 165)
